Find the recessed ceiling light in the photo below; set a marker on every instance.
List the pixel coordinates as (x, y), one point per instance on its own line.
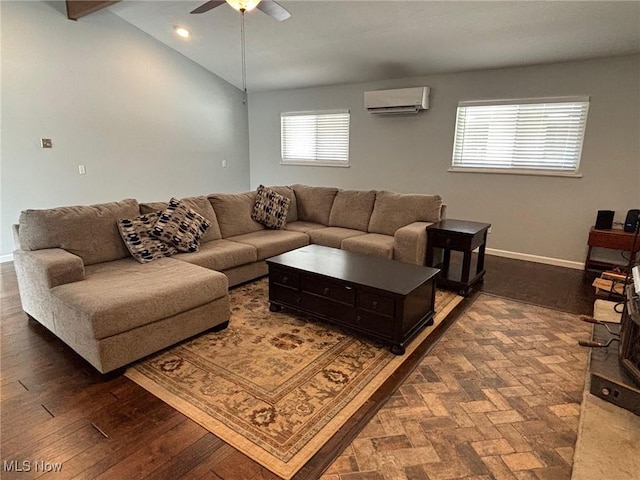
(182, 32)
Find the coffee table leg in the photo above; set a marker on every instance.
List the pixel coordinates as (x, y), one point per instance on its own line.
(274, 307)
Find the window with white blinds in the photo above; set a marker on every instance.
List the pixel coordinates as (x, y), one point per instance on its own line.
(536, 136)
(315, 138)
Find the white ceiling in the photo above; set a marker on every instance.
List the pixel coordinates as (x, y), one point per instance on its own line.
(335, 42)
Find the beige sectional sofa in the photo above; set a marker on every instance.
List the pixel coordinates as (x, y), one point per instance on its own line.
(77, 278)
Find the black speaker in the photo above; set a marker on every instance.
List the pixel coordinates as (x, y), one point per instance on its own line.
(604, 220)
(633, 217)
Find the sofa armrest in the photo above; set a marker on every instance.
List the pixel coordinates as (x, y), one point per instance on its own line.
(48, 267)
(410, 243)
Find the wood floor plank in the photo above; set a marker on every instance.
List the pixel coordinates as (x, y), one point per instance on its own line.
(149, 457)
(125, 438)
(185, 462)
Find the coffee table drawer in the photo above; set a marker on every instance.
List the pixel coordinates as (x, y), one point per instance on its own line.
(376, 303)
(329, 290)
(284, 294)
(330, 309)
(284, 277)
(372, 323)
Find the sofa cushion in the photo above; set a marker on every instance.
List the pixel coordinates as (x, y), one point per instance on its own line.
(180, 226)
(314, 203)
(221, 255)
(273, 242)
(303, 227)
(352, 209)
(370, 244)
(234, 213)
(270, 208)
(332, 236)
(199, 204)
(108, 302)
(142, 245)
(90, 232)
(392, 211)
(152, 207)
(292, 214)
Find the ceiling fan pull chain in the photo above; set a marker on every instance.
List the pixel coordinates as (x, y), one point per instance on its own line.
(244, 65)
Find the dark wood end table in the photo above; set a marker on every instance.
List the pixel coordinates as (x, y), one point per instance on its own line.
(463, 236)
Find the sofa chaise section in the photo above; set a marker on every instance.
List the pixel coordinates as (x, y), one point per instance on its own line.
(76, 278)
(124, 310)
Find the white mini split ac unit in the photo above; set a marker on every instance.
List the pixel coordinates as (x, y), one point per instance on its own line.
(401, 100)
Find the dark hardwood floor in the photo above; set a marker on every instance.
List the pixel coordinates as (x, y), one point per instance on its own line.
(55, 408)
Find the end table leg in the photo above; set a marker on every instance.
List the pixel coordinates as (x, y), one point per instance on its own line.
(466, 267)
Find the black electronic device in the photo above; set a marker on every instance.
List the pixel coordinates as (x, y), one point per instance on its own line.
(607, 379)
(604, 220)
(633, 217)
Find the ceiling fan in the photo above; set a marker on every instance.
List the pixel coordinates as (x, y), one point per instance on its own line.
(270, 7)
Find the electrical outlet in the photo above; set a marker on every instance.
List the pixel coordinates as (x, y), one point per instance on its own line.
(224, 163)
(46, 143)
(489, 231)
(82, 170)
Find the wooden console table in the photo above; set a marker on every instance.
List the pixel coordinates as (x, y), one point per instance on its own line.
(614, 239)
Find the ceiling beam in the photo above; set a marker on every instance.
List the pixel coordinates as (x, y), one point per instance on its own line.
(77, 9)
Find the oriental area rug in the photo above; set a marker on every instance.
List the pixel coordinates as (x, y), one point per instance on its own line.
(274, 385)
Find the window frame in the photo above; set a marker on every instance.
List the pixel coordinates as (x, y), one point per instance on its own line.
(538, 170)
(315, 162)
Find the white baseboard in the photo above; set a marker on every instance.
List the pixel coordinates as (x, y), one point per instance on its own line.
(558, 262)
(6, 258)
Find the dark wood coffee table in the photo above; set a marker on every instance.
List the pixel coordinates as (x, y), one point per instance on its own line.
(384, 299)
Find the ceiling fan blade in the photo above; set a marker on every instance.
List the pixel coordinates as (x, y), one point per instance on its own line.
(274, 9)
(205, 7)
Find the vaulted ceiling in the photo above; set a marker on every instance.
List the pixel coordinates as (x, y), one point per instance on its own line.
(334, 42)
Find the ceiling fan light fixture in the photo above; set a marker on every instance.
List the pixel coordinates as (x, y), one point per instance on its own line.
(243, 5)
(181, 31)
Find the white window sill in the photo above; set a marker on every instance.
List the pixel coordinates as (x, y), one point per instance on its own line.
(316, 164)
(516, 171)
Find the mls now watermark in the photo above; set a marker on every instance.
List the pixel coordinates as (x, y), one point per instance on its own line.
(30, 466)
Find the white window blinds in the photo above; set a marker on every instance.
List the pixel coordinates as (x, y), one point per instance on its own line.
(528, 136)
(315, 138)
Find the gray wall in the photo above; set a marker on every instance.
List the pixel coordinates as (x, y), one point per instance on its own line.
(146, 122)
(531, 215)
